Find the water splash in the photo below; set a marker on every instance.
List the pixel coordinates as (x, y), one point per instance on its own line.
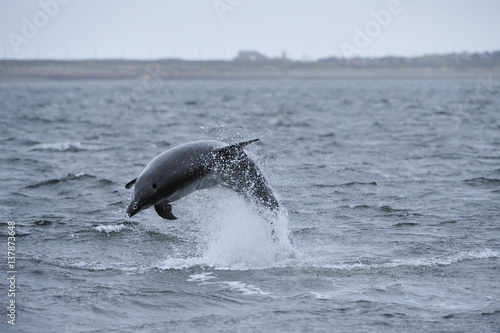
(234, 234)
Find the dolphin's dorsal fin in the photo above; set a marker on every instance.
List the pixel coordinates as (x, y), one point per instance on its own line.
(237, 147)
(164, 209)
(130, 183)
(243, 144)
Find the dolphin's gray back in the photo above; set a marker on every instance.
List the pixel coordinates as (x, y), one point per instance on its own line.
(184, 157)
(187, 166)
(217, 163)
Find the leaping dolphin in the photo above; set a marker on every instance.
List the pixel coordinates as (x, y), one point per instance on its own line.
(198, 165)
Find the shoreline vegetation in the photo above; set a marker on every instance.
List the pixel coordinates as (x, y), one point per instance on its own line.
(253, 65)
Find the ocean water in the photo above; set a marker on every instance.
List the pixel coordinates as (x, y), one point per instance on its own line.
(390, 195)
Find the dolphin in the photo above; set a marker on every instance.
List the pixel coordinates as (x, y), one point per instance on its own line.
(198, 165)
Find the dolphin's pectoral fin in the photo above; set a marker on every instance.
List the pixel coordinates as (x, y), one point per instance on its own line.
(130, 183)
(165, 210)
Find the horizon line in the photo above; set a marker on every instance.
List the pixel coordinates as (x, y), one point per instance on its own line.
(266, 58)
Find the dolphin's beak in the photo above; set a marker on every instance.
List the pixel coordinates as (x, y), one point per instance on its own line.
(132, 209)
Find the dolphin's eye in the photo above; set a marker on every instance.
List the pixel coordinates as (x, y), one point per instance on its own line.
(154, 186)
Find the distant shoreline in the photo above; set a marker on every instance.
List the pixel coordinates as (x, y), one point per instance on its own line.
(176, 69)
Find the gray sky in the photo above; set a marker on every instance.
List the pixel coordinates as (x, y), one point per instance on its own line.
(217, 29)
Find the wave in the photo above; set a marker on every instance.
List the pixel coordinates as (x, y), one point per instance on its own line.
(482, 181)
(345, 184)
(298, 262)
(386, 210)
(232, 235)
(245, 288)
(80, 176)
(84, 265)
(448, 259)
(445, 260)
(88, 266)
(405, 224)
(91, 265)
(59, 146)
(112, 228)
(68, 177)
(22, 141)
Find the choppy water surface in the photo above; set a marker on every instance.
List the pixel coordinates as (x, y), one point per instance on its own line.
(390, 189)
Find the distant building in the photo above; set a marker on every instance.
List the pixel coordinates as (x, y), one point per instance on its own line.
(250, 56)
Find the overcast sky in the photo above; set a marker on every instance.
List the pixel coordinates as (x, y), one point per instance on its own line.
(208, 29)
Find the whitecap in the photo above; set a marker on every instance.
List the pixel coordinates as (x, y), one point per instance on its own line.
(320, 296)
(58, 146)
(108, 228)
(202, 277)
(245, 288)
(444, 260)
(447, 260)
(239, 286)
(90, 266)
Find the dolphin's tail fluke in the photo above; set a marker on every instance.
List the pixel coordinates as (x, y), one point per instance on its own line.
(241, 174)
